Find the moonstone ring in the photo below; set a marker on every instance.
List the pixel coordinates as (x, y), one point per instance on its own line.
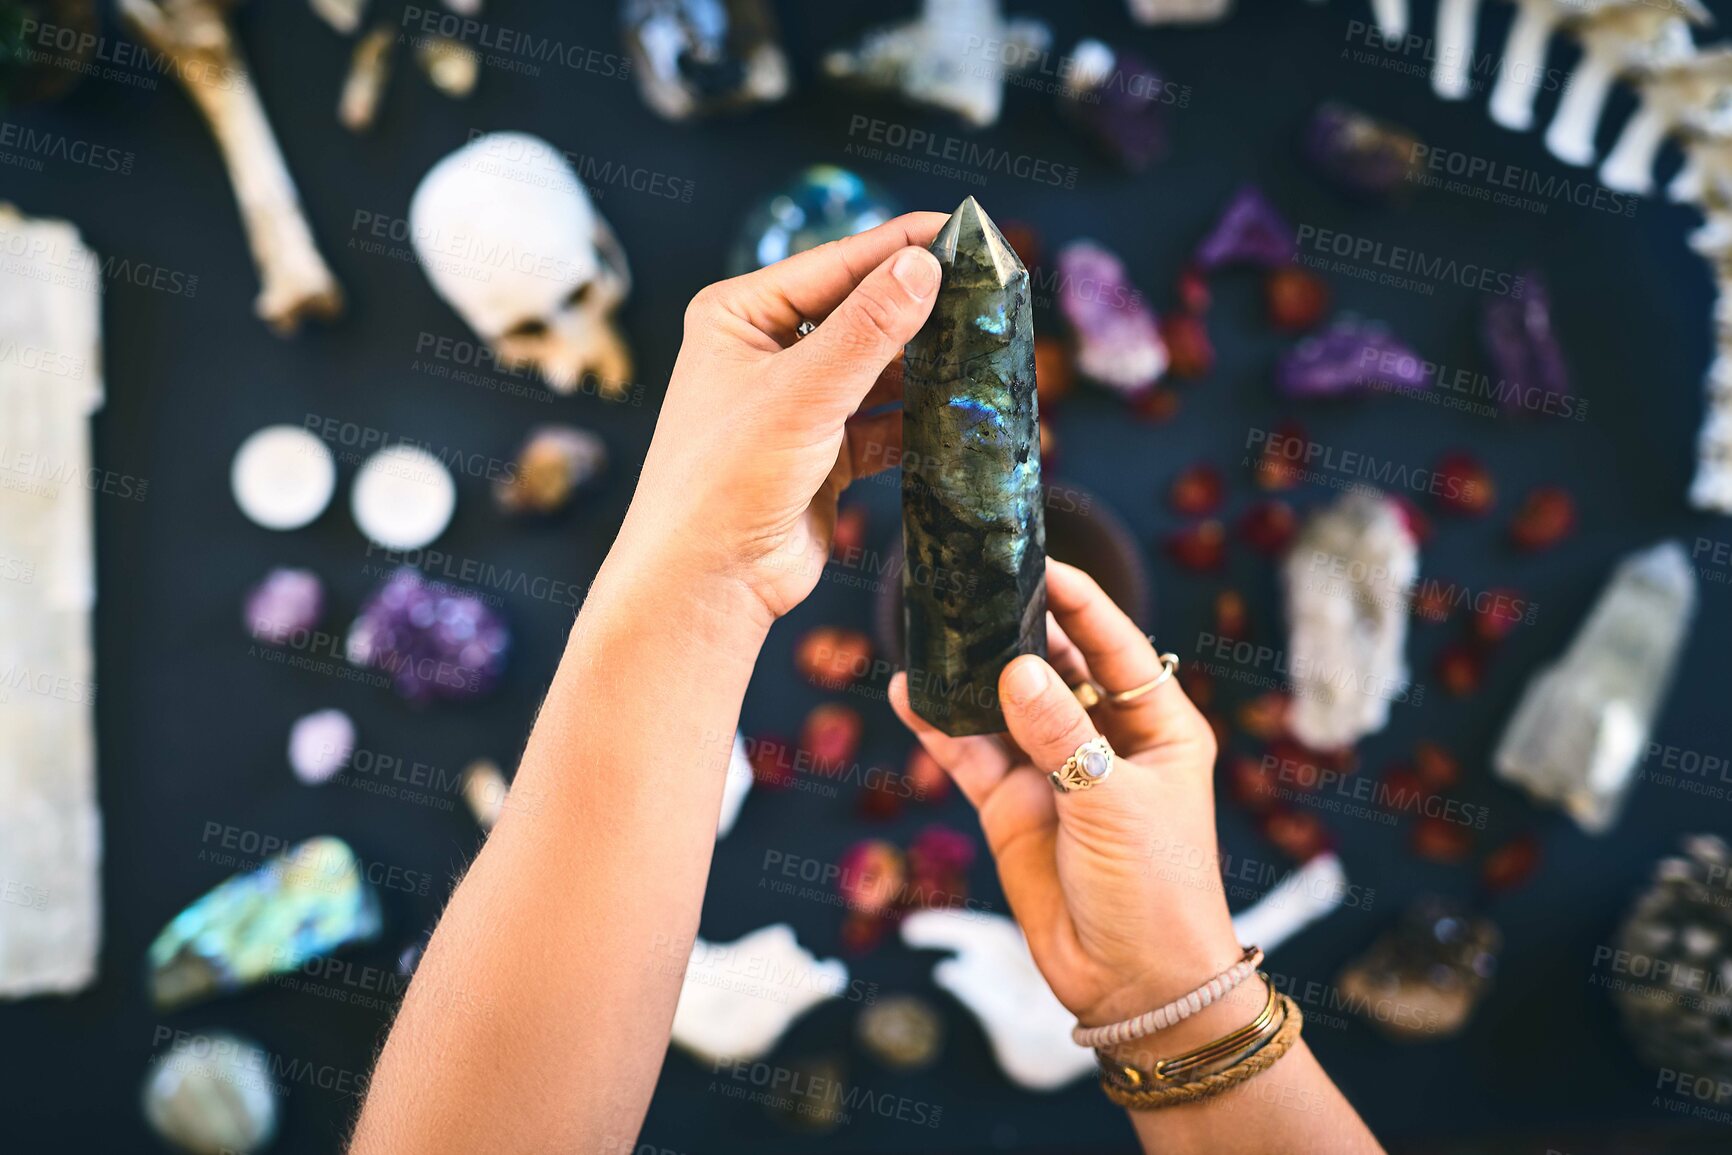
(1086, 768)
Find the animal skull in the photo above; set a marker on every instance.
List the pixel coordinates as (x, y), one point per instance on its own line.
(508, 236)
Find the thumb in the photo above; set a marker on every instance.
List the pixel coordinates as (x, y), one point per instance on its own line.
(1049, 724)
(842, 358)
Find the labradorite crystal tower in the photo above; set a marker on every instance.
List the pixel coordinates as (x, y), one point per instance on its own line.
(974, 586)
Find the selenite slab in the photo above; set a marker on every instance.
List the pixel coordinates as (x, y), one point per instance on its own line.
(973, 526)
(50, 831)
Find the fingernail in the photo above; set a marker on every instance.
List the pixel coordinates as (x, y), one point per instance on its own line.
(917, 271)
(1025, 682)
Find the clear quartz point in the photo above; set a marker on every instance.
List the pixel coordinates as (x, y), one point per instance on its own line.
(1581, 727)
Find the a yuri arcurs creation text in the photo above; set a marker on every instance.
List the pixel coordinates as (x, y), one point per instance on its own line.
(974, 587)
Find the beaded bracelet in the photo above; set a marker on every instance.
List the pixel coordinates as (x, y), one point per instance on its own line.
(1150, 1095)
(1176, 1011)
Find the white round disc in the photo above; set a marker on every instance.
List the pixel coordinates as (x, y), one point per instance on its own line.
(403, 497)
(283, 477)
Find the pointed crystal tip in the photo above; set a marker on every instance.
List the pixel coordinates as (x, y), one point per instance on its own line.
(970, 237)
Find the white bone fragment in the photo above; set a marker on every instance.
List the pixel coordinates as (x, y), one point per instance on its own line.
(1310, 893)
(484, 792)
(735, 789)
(994, 976)
(342, 15)
(1457, 27)
(369, 71)
(1522, 68)
(1391, 17)
(740, 998)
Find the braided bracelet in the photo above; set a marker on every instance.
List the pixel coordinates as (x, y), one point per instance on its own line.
(1176, 1011)
(1152, 1096)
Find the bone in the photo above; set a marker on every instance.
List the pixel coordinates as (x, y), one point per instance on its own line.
(295, 282)
(343, 15)
(369, 70)
(1689, 93)
(1029, 1030)
(450, 65)
(1457, 28)
(1310, 893)
(735, 789)
(1524, 56)
(1617, 38)
(740, 998)
(1391, 17)
(994, 976)
(484, 791)
(1711, 489)
(1706, 181)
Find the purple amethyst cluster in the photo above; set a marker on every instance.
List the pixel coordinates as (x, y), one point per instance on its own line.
(436, 642)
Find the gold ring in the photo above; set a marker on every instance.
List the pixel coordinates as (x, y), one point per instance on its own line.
(1086, 768)
(1169, 666)
(1088, 695)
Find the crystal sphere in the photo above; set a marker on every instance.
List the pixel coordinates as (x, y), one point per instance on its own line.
(823, 203)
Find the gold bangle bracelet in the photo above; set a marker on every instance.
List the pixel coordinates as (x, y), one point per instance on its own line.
(1166, 1070)
(1169, 1069)
(1155, 1096)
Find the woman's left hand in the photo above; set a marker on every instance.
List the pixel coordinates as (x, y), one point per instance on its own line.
(762, 429)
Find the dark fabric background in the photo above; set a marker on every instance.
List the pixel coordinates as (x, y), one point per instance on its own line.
(193, 722)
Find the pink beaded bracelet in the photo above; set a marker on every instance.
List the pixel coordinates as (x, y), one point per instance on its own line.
(1176, 1011)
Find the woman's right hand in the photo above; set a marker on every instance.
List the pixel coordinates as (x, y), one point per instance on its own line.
(1118, 887)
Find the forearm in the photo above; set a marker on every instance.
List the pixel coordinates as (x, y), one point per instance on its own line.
(539, 1016)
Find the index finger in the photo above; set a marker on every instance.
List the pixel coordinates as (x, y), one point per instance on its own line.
(808, 285)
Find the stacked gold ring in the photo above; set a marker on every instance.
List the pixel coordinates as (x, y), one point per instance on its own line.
(1090, 694)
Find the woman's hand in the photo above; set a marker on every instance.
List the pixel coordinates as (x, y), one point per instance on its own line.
(762, 430)
(1118, 887)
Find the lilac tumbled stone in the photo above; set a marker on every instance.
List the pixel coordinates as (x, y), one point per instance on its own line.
(1523, 348)
(1250, 232)
(320, 745)
(1349, 357)
(1118, 340)
(1360, 156)
(286, 602)
(1119, 100)
(436, 641)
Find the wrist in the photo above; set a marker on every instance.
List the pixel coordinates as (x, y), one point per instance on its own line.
(1222, 1017)
(1184, 964)
(660, 585)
